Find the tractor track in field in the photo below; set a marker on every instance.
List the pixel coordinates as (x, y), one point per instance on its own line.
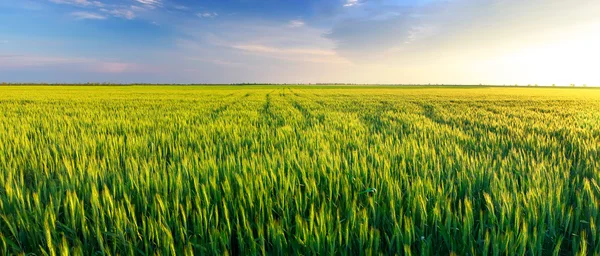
(320, 102)
(374, 120)
(310, 120)
(216, 113)
(471, 128)
(429, 112)
(474, 131)
(270, 118)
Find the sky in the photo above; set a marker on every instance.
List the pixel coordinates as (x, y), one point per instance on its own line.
(301, 41)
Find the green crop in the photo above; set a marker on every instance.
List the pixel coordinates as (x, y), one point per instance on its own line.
(168, 170)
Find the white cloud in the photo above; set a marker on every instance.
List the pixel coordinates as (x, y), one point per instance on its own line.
(296, 23)
(262, 42)
(79, 2)
(137, 8)
(181, 7)
(122, 13)
(292, 51)
(108, 10)
(420, 32)
(150, 3)
(87, 16)
(207, 14)
(350, 3)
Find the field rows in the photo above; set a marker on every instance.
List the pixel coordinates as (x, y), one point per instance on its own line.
(276, 170)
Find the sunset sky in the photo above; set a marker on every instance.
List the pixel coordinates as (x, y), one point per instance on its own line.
(301, 41)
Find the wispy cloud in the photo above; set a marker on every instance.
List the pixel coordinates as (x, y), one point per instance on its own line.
(79, 2)
(220, 62)
(115, 67)
(296, 23)
(150, 3)
(181, 7)
(16, 61)
(257, 50)
(300, 45)
(104, 10)
(350, 3)
(81, 64)
(294, 51)
(87, 16)
(207, 14)
(121, 13)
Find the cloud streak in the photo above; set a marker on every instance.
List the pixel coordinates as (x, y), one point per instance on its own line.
(350, 3)
(104, 10)
(121, 13)
(150, 3)
(79, 3)
(9, 62)
(296, 23)
(87, 16)
(207, 14)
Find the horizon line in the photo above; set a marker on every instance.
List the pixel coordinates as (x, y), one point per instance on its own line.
(292, 84)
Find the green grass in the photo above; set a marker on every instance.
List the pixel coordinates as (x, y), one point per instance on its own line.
(307, 170)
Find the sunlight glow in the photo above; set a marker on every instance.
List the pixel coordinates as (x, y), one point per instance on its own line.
(572, 60)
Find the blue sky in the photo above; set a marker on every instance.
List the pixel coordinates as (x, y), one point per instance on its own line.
(355, 41)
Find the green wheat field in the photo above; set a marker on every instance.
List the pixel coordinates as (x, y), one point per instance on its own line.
(276, 170)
